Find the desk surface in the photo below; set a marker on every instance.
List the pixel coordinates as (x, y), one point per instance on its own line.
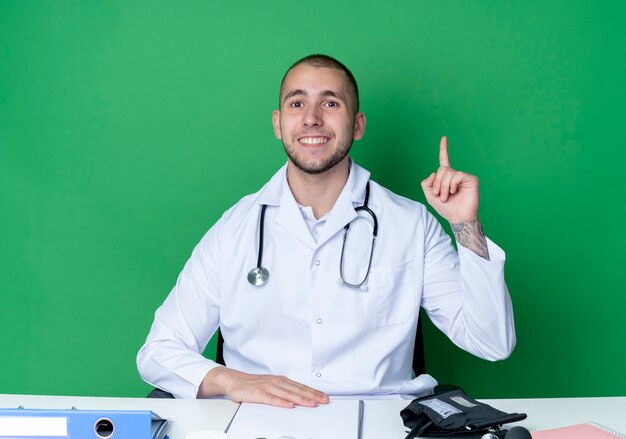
(183, 415)
(381, 417)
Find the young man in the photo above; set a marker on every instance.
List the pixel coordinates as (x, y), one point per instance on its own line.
(332, 317)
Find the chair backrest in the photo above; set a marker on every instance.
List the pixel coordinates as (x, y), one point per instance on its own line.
(419, 365)
(219, 351)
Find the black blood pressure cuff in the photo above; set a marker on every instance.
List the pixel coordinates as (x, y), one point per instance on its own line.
(452, 412)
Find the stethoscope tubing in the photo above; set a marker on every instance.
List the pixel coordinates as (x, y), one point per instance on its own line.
(259, 275)
(261, 233)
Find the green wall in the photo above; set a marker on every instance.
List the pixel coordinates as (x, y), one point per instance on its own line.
(128, 127)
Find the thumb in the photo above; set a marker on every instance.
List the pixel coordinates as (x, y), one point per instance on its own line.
(427, 183)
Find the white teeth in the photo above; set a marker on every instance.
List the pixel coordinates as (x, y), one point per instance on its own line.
(313, 140)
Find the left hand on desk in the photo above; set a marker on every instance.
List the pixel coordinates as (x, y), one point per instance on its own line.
(273, 390)
(453, 194)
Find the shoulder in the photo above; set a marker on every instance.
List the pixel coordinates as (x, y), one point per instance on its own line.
(241, 208)
(249, 205)
(241, 218)
(400, 214)
(229, 226)
(389, 200)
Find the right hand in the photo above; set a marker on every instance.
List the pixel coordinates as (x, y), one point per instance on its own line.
(453, 194)
(273, 390)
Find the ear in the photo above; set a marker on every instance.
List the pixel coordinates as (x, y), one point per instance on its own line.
(276, 123)
(359, 126)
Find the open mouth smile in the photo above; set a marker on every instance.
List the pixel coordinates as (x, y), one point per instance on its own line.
(313, 140)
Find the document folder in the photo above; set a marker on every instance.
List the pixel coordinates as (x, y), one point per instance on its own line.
(80, 424)
(339, 419)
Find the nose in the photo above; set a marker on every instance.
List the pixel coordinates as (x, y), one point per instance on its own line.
(313, 116)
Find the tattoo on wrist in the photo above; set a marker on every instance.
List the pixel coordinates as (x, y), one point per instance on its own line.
(471, 236)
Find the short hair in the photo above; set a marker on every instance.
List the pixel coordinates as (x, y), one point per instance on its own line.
(319, 60)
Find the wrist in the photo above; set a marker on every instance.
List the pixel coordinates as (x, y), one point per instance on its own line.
(460, 220)
(214, 382)
(470, 235)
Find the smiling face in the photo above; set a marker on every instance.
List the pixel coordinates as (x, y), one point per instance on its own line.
(316, 122)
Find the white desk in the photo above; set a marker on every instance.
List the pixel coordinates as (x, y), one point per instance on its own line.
(381, 417)
(183, 415)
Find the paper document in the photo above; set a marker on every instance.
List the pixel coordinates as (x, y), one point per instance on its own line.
(589, 430)
(339, 419)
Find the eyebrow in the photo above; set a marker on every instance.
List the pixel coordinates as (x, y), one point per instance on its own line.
(331, 93)
(325, 93)
(296, 92)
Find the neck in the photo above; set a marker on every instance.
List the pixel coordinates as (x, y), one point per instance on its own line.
(320, 191)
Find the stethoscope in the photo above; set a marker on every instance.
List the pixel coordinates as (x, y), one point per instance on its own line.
(259, 275)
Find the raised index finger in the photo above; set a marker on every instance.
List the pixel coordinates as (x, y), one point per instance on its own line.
(444, 160)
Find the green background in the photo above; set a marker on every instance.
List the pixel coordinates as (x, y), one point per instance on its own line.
(128, 127)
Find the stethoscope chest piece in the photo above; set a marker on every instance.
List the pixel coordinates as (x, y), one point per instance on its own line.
(258, 276)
